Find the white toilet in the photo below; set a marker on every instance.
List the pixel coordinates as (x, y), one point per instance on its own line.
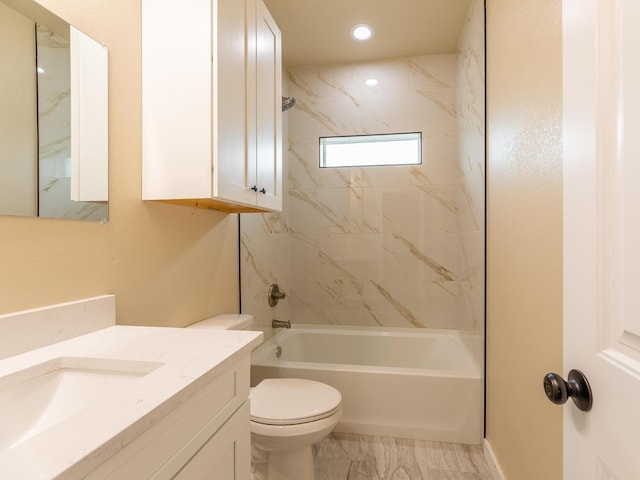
(288, 415)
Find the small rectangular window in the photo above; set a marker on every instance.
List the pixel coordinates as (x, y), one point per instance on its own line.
(371, 150)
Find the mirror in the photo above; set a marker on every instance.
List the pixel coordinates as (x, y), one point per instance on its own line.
(54, 117)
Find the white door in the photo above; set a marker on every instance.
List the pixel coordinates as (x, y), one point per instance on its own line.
(601, 115)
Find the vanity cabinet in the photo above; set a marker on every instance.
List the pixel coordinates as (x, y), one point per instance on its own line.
(211, 104)
(206, 437)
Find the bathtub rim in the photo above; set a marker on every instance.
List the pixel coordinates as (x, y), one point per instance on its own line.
(473, 370)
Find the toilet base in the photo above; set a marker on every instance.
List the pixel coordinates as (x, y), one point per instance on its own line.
(294, 464)
(284, 452)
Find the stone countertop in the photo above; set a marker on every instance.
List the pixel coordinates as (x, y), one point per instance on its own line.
(181, 361)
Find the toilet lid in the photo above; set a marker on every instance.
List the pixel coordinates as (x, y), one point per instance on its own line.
(291, 401)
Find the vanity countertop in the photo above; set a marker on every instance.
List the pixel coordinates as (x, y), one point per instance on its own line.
(179, 363)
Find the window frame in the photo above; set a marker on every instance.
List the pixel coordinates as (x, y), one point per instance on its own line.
(379, 137)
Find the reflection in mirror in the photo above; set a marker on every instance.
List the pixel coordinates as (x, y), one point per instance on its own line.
(44, 153)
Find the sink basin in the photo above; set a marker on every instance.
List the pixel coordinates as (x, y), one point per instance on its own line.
(38, 397)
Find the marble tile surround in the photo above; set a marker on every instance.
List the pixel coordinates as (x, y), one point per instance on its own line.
(471, 165)
(391, 246)
(343, 456)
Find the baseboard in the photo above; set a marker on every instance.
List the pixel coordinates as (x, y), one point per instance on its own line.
(494, 466)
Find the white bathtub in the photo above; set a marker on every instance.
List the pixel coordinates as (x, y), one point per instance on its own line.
(400, 382)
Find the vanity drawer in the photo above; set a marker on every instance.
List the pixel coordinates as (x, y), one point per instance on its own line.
(162, 450)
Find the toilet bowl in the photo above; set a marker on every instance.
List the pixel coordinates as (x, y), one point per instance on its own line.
(288, 415)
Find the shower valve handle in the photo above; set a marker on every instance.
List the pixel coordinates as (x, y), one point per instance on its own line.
(274, 295)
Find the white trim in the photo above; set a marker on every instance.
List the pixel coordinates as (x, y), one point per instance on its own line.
(492, 462)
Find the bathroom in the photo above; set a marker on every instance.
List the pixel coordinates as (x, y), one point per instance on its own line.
(169, 265)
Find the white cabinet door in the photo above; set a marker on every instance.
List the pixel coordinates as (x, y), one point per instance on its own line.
(231, 179)
(602, 235)
(226, 455)
(268, 110)
(264, 101)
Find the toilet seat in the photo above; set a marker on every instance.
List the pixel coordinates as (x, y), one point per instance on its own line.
(292, 401)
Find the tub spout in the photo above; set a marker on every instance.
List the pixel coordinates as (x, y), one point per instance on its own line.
(280, 324)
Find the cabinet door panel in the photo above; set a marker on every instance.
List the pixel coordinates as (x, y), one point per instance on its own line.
(230, 109)
(268, 109)
(226, 455)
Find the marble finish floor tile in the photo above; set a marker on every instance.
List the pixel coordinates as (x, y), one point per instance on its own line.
(343, 456)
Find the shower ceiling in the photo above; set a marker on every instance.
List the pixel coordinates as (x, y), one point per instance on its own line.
(318, 31)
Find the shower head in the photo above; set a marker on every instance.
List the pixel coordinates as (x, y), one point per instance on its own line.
(287, 103)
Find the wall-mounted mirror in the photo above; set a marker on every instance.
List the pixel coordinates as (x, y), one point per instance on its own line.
(53, 117)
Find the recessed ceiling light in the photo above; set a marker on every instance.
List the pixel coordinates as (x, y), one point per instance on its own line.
(362, 32)
(371, 82)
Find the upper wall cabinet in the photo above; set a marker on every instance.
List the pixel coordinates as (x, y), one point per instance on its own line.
(211, 104)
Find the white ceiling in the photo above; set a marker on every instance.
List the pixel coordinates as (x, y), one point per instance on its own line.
(318, 31)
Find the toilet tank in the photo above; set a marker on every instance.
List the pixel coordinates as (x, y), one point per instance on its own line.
(226, 321)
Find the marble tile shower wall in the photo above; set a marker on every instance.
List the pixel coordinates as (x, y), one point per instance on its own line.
(264, 259)
(379, 246)
(375, 245)
(471, 164)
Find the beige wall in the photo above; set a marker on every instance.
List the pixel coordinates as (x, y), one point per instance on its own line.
(524, 215)
(167, 265)
(18, 139)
